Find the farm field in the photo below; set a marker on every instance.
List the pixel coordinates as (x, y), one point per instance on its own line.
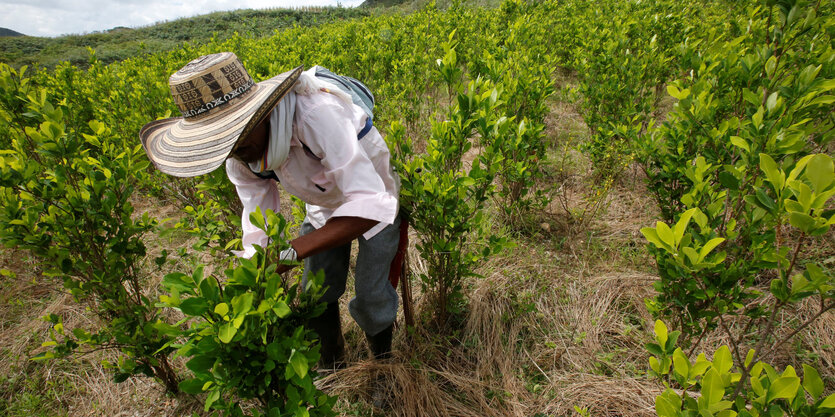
(574, 171)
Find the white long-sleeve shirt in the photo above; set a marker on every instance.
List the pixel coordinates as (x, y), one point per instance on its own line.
(350, 178)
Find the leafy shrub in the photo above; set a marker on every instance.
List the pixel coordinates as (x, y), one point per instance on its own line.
(246, 337)
(444, 198)
(65, 190)
(526, 85)
(620, 68)
(738, 151)
(760, 84)
(694, 282)
(758, 390)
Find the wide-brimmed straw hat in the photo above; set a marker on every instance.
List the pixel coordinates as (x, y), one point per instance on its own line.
(220, 104)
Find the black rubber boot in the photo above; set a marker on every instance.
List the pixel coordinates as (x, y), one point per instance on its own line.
(329, 329)
(380, 343)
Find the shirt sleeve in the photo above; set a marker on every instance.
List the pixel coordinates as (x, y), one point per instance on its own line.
(328, 130)
(254, 192)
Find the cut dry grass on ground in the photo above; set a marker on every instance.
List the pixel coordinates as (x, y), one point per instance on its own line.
(25, 296)
(602, 396)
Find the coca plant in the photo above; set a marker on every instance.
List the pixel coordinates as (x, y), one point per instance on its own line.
(795, 203)
(755, 193)
(446, 198)
(754, 110)
(65, 193)
(526, 85)
(621, 64)
(760, 80)
(246, 337)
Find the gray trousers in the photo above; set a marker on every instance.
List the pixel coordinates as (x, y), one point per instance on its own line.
(374, 306)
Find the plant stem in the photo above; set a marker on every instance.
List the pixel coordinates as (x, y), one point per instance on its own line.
(698, 342)
(167, 374)
(805, 324)
(764, 335)
(734, 345)
(794, 257)
(747, 328)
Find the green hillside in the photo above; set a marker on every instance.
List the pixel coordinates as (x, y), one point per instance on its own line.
(4, 32)
(120, 43)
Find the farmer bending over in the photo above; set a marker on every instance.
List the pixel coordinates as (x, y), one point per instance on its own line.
(302, 132)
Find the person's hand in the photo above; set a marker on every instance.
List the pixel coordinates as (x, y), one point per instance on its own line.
(288, 254)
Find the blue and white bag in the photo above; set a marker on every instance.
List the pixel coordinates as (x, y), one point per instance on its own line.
(359, 92)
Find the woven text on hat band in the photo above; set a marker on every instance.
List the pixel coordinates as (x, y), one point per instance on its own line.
(219, 101)
(209, 88)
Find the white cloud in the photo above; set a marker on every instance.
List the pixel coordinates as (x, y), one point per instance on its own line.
(58, 17)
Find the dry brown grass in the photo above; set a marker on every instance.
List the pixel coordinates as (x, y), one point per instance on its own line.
(136, 397)
(414, 392)
(520, 349)
(534, 323)
(821, 337)
(23, 297)
(602, 396)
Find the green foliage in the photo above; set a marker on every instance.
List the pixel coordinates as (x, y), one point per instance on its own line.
(445, 199)
(121, 43)
(761, 84)
(622, 59)
(392, 53)
(15, 87)
(212, 212)
(741, 168)
(699, 285)
(740, 173)
(526, 84)
(246, 337)
(727, 389)
(65, 193)
(738, 151)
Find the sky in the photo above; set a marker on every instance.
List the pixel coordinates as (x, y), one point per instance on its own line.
(62, 17)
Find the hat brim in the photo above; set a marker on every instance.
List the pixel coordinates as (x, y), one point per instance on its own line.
(185, 148)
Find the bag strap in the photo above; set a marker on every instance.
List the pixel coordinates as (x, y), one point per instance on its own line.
(267, 175)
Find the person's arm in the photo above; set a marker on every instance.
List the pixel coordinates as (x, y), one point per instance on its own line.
(336, 232)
